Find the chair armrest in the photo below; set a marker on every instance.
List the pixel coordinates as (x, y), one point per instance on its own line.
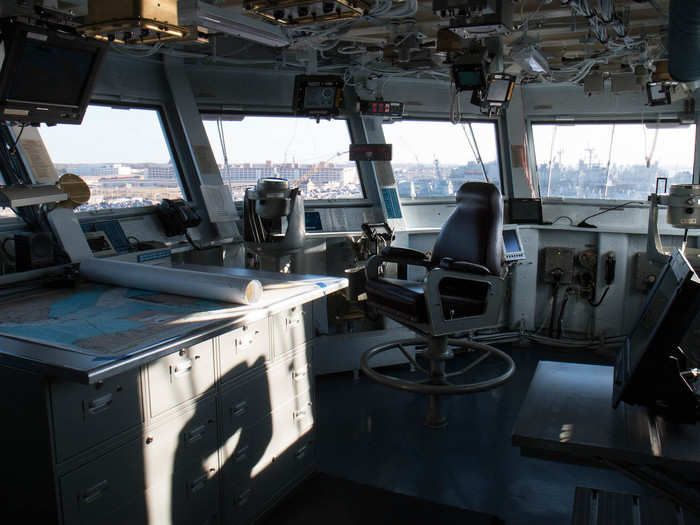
(393, 252)
(463, 266)
(406, 256)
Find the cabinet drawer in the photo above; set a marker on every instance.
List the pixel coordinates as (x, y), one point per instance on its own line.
(246, 402)
(102, 486)
(290, 377)
(290, 329)
(246, 497)
(180, 376)
(190, 497)
(250, 451)
(243, 349)
(253, 398)
(85, 415)
(189, 439)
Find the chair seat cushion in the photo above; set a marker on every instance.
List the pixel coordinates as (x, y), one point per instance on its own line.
(405, 300)
(400, 299)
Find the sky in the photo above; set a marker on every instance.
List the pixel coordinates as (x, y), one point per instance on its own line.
(631, 144)
(110, 135)
(422, 141)
(281, 139)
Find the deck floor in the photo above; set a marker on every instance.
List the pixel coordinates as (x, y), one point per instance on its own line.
(374, 435)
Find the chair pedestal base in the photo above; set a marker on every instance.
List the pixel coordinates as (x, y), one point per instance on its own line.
(434, 418)
(437, 383)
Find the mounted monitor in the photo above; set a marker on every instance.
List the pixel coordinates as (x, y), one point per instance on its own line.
(658, 365)
(319, 96)
(46, 76)
(499, 89)
(468, 77)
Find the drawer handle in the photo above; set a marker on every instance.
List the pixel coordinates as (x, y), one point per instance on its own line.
(95, 492)
(182, 368)
(240, 409)
(298, 414)
(243, 498)
(195, 434)
(298, 376)
(241, 454)
(292, 322)
(99, 404)
(200, 482)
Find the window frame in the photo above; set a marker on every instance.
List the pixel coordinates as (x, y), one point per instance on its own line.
(444, 199)
(135, 211)
(602, 121)
(240, 116)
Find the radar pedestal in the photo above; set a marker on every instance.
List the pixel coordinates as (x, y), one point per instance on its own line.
(274, 229)
(683, 211)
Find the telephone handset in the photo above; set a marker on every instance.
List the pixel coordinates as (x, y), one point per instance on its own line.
(177, 216)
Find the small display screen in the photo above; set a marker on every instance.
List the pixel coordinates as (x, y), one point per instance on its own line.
(470, 79)
(47, 74)
(498, 90)
(511, 242)
(319, 97)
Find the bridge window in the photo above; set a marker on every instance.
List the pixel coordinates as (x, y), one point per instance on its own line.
(611, 160)
(313, 156)
(433, 159)
(121, 153)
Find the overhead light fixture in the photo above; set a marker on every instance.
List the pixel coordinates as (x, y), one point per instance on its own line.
(531, 59)
(133, 22)
(303, 12)
(525, 52)
(219, 20)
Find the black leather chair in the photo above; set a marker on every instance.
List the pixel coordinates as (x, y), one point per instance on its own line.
(463, 290)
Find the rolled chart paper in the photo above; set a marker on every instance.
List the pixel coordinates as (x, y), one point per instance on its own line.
(190, 283)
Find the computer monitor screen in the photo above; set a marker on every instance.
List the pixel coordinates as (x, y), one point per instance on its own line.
(47, 74)
(319, 97)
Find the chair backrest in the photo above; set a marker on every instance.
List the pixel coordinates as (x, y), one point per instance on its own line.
(474, 231)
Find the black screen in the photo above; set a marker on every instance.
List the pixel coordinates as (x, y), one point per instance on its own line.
(470, 79)
(659, 301)
(47, 74)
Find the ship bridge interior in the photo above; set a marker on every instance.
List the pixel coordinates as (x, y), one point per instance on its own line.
(351, 261)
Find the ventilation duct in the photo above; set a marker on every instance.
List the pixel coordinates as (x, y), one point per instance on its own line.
(684, 40)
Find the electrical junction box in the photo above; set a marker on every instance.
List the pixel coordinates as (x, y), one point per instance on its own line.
(476, 18)
(558, 265)
(645, 272)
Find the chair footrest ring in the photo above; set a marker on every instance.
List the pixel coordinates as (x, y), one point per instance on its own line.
(433, 389)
